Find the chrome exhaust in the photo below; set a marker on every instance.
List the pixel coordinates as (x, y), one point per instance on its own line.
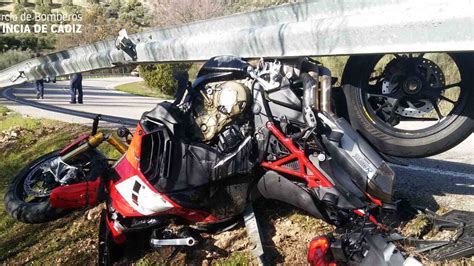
(326, 97)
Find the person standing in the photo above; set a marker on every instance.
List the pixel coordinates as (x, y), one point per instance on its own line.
(76, 88)
(39, 84)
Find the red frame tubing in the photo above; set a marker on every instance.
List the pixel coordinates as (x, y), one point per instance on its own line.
(372, 219)
(76, 195)
(374, 200)
(315, 179)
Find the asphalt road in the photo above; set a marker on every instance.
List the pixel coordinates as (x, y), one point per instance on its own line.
(99, 98)
(445, 180)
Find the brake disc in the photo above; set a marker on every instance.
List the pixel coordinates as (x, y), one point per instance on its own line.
(35, 182)
(411, 106)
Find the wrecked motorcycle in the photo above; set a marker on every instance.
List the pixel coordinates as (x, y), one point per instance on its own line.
(239, 132)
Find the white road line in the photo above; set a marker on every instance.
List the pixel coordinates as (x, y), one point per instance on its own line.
(435, 171)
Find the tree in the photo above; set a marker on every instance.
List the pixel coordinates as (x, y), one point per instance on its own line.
(11, 57)
(161, 76)
(20, 8)
(134, 15)
(43, 6)
(177, 12)
(70, 8)
(95, 27)
(104, 20)
(112, 9)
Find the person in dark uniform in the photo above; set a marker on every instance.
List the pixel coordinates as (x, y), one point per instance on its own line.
(39, 84)
(76, 88)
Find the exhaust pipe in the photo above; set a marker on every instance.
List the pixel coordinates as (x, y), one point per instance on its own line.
(347, 147)
(311, 76)
(326, 97)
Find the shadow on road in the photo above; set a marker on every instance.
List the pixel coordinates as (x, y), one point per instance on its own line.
(424, 179)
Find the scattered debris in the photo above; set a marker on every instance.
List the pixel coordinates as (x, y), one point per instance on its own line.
(12, 134)
(416, 227)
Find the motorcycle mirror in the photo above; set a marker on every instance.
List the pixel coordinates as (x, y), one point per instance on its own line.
(182, 79)
(95, 124)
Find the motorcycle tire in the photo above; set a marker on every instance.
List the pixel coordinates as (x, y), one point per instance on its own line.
(109, 252)
(39, 209)
(440, 138)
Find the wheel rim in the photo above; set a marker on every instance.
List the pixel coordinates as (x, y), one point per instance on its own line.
(398, 90)
(39, 182)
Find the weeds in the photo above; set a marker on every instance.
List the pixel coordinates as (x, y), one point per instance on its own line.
(140, 88)
(3, 111)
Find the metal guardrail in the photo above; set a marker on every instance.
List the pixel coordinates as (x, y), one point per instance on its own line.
(312, 28)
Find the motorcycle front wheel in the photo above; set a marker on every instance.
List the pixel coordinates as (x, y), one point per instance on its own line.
(27, 197)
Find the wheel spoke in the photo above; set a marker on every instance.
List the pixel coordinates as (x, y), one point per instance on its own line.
(373, 88)
(376, 111)
(406, 118)
(36, 199)
(391, 117)
(376, 95)
(457, 84)
(444, 98)
(436, 107)
(376, 78)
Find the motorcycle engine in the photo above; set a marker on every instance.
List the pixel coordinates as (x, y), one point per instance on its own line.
(217, 105)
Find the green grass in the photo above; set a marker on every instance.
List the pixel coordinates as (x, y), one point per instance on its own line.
(17, 120)
(141, 89)
(237, 258)
(308, 222)
(3, 111)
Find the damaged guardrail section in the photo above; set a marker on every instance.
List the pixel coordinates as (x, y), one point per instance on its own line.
(309, 28)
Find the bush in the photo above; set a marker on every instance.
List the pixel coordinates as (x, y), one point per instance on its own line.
(161, 76)
(11, 57)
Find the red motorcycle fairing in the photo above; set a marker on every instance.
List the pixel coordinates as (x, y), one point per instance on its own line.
(76, 195)
(117, 235)
(133, 196)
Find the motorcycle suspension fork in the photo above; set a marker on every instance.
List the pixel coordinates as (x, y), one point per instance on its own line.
(95, 141)
(92, 142)
(117, 144)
